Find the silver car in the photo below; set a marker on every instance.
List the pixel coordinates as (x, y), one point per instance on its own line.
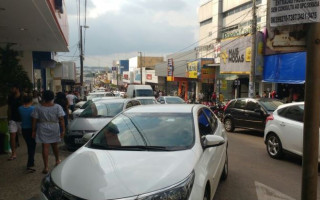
(170, 100)
(94, 117)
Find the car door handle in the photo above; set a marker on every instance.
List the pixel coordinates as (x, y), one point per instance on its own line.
(282, 124)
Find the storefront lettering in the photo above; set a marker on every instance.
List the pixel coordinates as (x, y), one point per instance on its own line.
(234, 56)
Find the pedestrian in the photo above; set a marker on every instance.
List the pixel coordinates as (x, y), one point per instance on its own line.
(214, 98)
(71, 98)
(257, 95)
(36, 99)
(200, 96)
(26, 125)
(45, 127)
(62, 100)
(264, 95)
(221, 97)
(14, 102)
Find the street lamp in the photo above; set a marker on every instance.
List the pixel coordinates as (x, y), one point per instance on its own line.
(81, 59)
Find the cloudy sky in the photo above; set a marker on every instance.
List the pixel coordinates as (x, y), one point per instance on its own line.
(118, 29)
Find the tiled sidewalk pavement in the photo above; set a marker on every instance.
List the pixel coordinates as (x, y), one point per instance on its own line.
(15, 182)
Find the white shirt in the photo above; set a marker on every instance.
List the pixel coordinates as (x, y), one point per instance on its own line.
(70, 98)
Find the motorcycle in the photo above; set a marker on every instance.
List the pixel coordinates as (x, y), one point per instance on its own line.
(218, 110)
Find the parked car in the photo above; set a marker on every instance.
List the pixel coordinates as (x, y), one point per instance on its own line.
(99, 94)
(170, 100)
(248, 113)
(79, 104)
(284, 130)
(147, 152)
(77, 112)
(94, 117)
(146, 100)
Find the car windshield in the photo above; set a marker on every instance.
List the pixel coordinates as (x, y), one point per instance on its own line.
(144, 93)
(101, 109)
(174, 100)
(147, 101)
(88, 103)
(271, 105)
(136, 131)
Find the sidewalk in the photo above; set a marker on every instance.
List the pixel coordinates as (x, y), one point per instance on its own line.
(15, 182)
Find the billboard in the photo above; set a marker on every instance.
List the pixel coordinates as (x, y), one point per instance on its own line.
(170, 70)
(285, 39)
(233, 54)
(289, 12)
(192, 69)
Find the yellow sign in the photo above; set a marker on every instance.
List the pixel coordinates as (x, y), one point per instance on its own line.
(192, 69)
(248, 54)
(207, 73)
(224, 85)
(170, 78)
(224, 56)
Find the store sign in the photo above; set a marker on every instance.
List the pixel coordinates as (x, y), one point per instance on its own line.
(170, 70)
(126, 76)
(239, 32)
(233, 54)
(192, 69)
(288, 12)
(207, 73)
(149, 76)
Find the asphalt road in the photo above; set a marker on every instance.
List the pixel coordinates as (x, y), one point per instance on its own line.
(254, 175)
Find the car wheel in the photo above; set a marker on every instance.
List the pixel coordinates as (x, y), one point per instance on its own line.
(206, 195)
(225, 171)
(228, 125)
(274, 146)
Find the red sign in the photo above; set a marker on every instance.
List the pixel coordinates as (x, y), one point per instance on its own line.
(149, 76)
(126, 76)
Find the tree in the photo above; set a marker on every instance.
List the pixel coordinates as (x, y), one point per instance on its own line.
(11, 72)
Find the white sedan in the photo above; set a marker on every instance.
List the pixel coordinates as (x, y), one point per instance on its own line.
(284, 130)
(176, 152)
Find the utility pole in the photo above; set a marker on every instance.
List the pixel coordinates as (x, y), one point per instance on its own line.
(140, 63)
(81, 60)
(311, 115)
(252, 76)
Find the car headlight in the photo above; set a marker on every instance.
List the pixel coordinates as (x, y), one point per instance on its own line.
(50, 189)
(53, 192)
(180, 191)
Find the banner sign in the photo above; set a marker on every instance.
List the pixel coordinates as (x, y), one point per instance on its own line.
(192, 69)
(149, 76)
(288, 12)
(234, 55)
(170, 70)
(207, 73)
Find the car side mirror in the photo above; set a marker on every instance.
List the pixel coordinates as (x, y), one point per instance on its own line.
(86, 137)
(162, 101)
(212, 141)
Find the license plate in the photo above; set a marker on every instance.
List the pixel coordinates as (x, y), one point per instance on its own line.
(78, 141)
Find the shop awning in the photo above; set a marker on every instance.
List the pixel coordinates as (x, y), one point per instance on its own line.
(287, 68)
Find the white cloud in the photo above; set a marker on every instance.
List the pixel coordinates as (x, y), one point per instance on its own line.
(102, 7)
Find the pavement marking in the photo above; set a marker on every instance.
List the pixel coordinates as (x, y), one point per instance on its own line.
(267, 193)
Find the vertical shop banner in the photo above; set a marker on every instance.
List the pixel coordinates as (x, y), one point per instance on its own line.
(170, 70)
(192, 69)
(259, 54)
(224, 85)
(289, 12)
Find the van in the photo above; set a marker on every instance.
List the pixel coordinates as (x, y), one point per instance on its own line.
(139, 91)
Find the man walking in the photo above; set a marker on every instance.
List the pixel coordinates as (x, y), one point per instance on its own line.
(71, 99)
(14, 102)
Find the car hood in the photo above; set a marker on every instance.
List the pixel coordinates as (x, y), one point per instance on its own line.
(88, 124)
(102, 174)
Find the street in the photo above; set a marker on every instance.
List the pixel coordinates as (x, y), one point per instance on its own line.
(252, 173)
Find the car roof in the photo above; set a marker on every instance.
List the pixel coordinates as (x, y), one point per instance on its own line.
(164, 108)
(290, 104)
(113, 100)
(171, 97)
(257, 99)
(144, 98)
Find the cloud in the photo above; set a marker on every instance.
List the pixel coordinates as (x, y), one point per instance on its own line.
(124, 27)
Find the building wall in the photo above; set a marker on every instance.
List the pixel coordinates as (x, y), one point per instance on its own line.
(133, 63)
(27, 63)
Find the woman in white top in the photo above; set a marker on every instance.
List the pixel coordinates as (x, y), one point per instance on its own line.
(46, 130)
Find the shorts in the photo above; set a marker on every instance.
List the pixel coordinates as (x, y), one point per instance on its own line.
(14, 126)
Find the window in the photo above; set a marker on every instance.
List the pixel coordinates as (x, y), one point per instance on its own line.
(212, 118)
(205, 22)
(204, 125)
(240, 104)
(295, 113)
(136, 103)
(251, 105)
(129, 104)
(100, 109)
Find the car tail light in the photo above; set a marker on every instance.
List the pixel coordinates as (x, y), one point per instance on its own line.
(270, 117)
(225, 107)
